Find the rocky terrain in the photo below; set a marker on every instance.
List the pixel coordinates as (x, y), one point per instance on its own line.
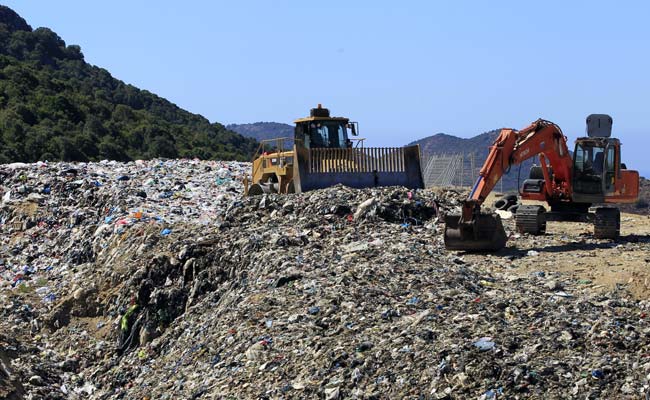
(158, 280)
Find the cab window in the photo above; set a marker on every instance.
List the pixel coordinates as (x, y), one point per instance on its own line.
(330, 134)
(589, 159)
(611, 159)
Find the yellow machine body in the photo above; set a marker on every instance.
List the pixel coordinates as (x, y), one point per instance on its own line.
(322, 155)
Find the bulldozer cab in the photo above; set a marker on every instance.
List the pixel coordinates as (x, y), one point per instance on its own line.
(323, 134)
(319, 130)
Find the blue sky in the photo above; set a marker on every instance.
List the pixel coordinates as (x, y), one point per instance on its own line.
(403, 70)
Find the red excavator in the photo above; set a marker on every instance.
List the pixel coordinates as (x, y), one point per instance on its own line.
(570, 185)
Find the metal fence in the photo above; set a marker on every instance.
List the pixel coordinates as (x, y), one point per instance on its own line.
(441, 170)
(462, 170)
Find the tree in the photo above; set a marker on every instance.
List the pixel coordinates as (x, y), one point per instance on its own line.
(54, 105)
(67, 151)
(111, 151)
(162, 147)
(87, 144)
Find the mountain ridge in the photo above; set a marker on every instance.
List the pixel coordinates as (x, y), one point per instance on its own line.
(444, 143)
(262, 130)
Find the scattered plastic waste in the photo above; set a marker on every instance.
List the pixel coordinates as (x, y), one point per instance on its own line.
(171, 284)
(484, 344)
(597, 374)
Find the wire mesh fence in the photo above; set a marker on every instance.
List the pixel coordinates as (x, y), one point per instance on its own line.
(452, 170)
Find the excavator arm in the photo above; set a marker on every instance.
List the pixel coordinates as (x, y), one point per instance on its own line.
(514, 147)
(476, 231)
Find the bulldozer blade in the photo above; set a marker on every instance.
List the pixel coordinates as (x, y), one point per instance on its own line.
(357, 167)
(485, 233)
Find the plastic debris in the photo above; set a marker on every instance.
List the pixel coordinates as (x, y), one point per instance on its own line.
(484, 344)
(335, 293)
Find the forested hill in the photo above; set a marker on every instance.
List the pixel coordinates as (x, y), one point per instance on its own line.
(55, 106)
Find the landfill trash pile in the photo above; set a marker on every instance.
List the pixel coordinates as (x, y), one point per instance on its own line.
(158, 280)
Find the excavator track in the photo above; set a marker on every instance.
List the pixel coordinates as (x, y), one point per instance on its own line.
(607, 223)
(531, 219)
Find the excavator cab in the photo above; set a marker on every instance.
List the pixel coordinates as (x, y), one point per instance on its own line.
(593, 161)
(597, 169)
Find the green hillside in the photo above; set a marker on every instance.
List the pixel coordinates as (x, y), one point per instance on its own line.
(55, 106)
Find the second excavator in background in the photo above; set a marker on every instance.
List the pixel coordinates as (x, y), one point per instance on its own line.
(595, 175)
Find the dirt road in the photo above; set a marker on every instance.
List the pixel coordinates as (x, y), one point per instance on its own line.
(569, 251)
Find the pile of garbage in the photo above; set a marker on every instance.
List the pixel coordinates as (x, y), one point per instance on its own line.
(159, 280)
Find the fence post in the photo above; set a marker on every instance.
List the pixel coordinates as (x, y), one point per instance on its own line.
(462, 169)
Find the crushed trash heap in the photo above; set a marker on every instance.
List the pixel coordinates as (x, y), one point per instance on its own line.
(159, 280)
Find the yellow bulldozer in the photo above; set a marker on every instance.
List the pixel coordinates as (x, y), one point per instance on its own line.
(321, 154)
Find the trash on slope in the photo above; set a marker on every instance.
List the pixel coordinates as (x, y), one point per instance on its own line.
(333, 293)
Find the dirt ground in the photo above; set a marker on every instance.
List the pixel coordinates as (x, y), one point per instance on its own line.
(569, 252)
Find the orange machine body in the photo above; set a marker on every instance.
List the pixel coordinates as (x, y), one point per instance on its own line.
(570, 184)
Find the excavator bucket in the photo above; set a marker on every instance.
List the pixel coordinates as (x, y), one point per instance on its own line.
(360, 167)
(484, 232)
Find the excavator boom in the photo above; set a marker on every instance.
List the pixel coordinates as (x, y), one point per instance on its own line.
(514, 147)
(473, 230)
